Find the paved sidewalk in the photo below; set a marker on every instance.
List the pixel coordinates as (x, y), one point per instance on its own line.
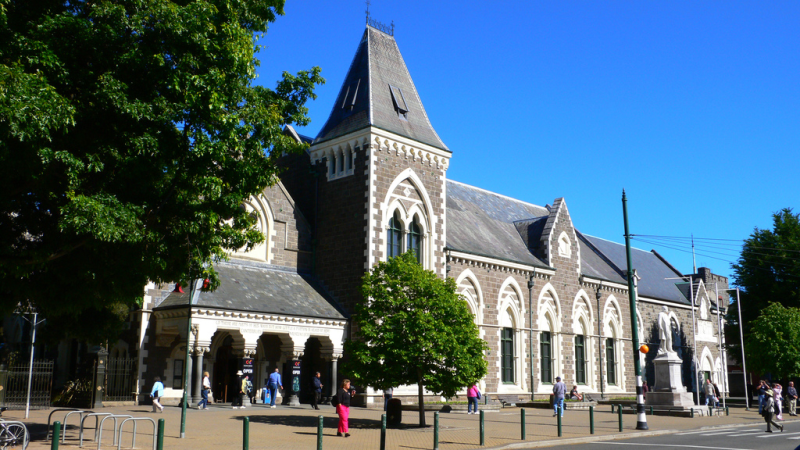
(295, 428)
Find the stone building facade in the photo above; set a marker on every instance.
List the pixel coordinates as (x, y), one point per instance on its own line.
(548, 299)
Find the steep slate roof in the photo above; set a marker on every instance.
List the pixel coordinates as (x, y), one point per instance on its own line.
(365, 98)
(483, 223)
(246, 286)
(650, 268)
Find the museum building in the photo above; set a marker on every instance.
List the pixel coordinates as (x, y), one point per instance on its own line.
(372, 185)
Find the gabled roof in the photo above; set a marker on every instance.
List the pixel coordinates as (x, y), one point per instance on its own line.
(256, 287)
(483, 223)
(376, 90)
(650, 268)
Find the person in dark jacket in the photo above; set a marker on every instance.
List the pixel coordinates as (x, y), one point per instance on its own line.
(791, 395)
(343, 396)
(387, 395)
(762, 389)
(317, 393)
(769, 409)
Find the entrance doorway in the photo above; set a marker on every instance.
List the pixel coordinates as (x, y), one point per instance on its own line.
(224, 384)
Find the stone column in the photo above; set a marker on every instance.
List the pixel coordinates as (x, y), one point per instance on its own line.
(188, 381)
(198, 379)
(334, 375)
(250, 353)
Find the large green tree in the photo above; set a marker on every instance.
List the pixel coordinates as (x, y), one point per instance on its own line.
(413, 328)
(773, 343)
(130, 133)
(768, 270)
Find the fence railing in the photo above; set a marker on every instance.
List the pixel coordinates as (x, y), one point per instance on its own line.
(14, 382)
(120, 380)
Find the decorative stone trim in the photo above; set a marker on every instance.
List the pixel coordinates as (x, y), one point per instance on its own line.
(199, 312)
(499, 265)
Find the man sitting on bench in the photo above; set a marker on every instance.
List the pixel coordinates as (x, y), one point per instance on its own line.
(574, 395)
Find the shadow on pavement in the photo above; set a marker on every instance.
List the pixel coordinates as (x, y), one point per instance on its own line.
(310, 421)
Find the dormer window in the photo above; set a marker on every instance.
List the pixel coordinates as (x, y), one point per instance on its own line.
(399, 102)
(349, 101)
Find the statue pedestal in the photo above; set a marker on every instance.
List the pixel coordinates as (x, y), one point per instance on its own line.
(669, 390)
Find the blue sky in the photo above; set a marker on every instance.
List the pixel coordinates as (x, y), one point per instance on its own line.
(692, 107)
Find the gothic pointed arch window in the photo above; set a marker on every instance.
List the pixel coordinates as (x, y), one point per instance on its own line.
(395, 237)
(415, 239)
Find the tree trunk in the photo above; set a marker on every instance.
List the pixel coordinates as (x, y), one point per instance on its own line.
(421, 402)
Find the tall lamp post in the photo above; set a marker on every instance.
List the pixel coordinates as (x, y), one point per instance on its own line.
(641, 416)
(33, 323)
(741, 343)
(598, 296)
(531, 283)
(186, 373)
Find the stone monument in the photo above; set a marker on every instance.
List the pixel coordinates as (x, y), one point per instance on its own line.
(668, 390)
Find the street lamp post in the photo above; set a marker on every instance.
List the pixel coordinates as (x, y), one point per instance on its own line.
(531, 283)
(741, 343)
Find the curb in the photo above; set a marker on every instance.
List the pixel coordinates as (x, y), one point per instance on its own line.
(618, 436)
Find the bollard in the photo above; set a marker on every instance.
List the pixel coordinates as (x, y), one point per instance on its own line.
(160, 437)
(612, 408)
(619, 412)
(383, 431)
(436, 430)
(727, 411)
(483, 429)
(692, 413)
(558, 418)
(319, 432)
(246, 434)
(522, 423)
(591, 420)
(56, 435)
(651, 410)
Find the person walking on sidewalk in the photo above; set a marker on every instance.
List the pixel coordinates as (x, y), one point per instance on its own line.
(387, 395)
(238, 398)
(708, 390)
(559, 391)
(343, 397)
(473, 394)
(777, 395)
(768, 411)
(317, 391)
(791, 394)
(203, 403)
(272, 384)
(762, 389)
(156, 394)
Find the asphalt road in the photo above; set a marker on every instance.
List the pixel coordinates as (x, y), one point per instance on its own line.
(735, 438)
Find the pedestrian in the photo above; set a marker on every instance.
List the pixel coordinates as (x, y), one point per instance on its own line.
(574, 395)
(343, 397)
(791, 394)
(717, 394)
(559, 391)
(243, 389)
(769, 411)
(708, 390)
(387, 395)
(249, 391)
(203, 403)
(317, 392)
(473, 394)
(777, 395)
(645, 388)
(273, 383)
(156, 393)
(237, 400)
(762, 390)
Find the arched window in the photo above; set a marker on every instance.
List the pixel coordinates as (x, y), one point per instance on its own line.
(349, 160)
(507, 354)
(547, 357)
(611, 362)
(340, 161)
(414, 240)
(395, 238)
(580, 359)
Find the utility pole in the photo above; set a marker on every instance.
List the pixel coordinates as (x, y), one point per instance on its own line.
(186, 373)
(598, 295)
(33, 323)
(741, 343)
(641, 416)
(530, 326)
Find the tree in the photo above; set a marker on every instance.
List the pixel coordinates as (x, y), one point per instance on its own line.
(130, 134)
(768, 270)
(773, 344)
(414, 328)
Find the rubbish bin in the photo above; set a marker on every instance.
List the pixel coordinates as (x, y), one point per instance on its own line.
(394, 413)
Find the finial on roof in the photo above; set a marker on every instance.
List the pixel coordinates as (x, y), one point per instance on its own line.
(367, 2)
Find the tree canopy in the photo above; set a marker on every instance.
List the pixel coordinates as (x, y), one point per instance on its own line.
(130, 134)
(773, 344)
(413, 328)
(768, 270)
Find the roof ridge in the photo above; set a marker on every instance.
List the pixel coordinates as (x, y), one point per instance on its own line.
(499, 195)
(602, 255)
(614, 242)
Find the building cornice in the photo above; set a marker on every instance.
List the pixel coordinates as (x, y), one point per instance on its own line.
(498, 264)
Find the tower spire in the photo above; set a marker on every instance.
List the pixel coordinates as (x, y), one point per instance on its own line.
(368, 3)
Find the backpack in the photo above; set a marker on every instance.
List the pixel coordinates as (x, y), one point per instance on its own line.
(335, 401)
(249, 386)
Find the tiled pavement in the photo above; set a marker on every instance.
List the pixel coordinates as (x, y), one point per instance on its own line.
(295, 428)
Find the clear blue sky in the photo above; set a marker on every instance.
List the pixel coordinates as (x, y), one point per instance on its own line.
(692, 107)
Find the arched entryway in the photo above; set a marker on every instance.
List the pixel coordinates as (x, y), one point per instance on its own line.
(313, 362)
(226, 363)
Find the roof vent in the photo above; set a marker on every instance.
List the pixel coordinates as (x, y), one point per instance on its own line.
(399, 101)
(352, 100)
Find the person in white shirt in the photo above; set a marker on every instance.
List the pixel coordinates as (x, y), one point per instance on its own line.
(203, 403)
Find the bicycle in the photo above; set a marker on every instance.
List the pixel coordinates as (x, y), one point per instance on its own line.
(12, 434)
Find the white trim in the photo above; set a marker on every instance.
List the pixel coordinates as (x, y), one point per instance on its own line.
(500, 262)
(661, 302)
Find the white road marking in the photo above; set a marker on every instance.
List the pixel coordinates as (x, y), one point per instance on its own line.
(777, 434)
(669, 445)
(726, 432)
(746, 434)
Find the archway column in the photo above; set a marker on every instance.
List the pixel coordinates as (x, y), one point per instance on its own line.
(293, 351)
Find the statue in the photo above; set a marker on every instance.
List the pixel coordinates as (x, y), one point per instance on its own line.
(665, 333)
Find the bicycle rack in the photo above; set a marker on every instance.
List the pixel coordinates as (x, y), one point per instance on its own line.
(96, 423)
(27, 438)
(64, 424)
(133, 442)
(100, 433)
(50, 417)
